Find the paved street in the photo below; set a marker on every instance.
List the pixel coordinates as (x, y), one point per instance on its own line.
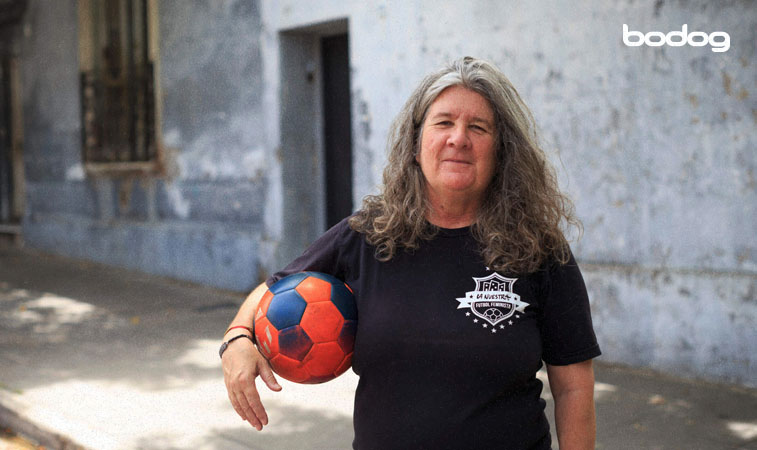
(112, 359)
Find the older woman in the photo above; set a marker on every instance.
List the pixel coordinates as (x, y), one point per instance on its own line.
(464, 282)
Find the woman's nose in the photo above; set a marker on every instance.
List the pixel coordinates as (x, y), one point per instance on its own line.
(459, 137)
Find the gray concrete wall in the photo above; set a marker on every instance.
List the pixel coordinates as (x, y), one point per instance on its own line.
(202, 221)
(656, 146)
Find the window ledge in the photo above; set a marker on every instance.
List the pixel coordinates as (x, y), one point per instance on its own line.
(123, 168)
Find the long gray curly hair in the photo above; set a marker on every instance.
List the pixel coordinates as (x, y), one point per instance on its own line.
(518, 225)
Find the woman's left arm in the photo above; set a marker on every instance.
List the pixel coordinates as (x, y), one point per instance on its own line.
(572, 388)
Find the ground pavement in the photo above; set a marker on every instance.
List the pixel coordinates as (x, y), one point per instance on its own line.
(104, 358)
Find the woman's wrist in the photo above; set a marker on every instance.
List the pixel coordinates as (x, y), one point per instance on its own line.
(226, 344)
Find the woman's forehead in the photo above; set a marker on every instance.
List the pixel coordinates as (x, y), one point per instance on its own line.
(456, 100)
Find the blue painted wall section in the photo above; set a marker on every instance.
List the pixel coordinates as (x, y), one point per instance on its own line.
(201, 221)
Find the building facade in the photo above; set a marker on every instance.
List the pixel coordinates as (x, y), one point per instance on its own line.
(233, 110)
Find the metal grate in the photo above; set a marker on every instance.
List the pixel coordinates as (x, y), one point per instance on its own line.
(117, 93)
(11, 11)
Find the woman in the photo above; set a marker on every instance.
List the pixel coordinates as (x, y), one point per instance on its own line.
(464, 281)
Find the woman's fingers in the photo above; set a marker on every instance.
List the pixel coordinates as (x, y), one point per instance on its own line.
(250, 415)
(252, 396)
(234, 402)
(266, 374)
(256, 412)
(241, 365)
(246, 394)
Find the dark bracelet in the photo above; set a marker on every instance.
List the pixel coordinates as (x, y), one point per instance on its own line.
(225, 345)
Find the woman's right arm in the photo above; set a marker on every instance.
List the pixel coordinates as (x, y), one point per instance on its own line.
(242, 363)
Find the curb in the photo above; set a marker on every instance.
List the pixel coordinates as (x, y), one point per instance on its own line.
(46, 438)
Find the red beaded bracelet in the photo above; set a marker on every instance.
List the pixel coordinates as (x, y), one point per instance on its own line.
(237, 326)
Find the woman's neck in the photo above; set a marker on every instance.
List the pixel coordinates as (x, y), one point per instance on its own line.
(452, 212)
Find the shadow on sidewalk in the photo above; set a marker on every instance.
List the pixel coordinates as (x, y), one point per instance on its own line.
(88, 321)
(291, 428)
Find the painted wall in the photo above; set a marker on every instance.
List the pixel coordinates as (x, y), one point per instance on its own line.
(202, 222)
(656, 146)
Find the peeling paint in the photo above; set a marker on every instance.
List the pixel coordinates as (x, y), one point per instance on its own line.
(172, 138)
(75, 173)
(179, 204)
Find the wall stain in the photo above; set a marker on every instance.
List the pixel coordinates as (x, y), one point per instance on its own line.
(750, 295)
(364, 116)
(554, 75)
(693, 100)
(701, 66)
(657, 7)
(124, 195)
(662, 64)
(727, 84)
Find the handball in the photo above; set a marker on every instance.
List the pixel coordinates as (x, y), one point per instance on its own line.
(305, 326)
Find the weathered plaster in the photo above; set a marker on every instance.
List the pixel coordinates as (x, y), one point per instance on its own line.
(191, 222)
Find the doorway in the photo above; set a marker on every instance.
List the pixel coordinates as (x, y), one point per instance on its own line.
(337, 132)
(316, 133)
(11, 163)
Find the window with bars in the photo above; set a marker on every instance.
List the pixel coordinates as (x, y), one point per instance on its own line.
(117, 83)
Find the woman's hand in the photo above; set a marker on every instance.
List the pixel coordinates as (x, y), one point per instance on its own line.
(242, 363)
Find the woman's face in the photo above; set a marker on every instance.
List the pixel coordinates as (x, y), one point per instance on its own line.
(457, 154)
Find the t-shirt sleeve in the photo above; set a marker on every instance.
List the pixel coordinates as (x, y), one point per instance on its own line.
(566, 330)
(323, 255)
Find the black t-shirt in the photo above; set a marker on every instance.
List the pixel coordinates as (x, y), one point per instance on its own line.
(447, 350)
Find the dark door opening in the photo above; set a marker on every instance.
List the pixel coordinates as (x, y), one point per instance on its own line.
(6, 168)
(337, 129)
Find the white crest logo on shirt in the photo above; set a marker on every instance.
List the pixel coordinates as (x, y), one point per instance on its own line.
(493, 300)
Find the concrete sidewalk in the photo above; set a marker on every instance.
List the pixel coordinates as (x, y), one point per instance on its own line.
(106, 358)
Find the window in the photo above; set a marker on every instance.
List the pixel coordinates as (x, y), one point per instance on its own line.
(116, 54)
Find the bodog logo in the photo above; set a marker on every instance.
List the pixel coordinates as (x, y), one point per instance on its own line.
(719, 40)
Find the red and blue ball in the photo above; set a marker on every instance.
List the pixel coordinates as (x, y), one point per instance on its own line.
(305, 326)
